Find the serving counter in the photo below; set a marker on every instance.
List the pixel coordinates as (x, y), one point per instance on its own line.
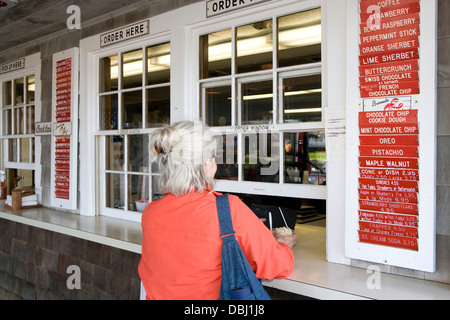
(312, 277)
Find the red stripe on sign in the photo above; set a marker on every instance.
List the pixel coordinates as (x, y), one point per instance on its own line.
(389, 207)
(388, 117)
(389, 129)
(390, 67)
(389, 185)
(407, 43)
(386, 25)
(405, 140)
(390, 196)
(388, 229)
(391, 241)
(387, 12)
(391, 174)
(375, 151)
(392, 218)
(395, 163)
(389, 90)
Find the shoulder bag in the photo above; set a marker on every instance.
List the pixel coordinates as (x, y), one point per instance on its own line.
(239, 282)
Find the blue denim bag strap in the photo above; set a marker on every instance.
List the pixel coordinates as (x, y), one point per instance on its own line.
(223, 209)
(239, 282)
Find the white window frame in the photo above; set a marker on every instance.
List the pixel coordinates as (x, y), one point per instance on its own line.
(92, 199)
(222, 23)
(32, 67)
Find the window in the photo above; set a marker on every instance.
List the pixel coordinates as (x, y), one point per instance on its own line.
(17, 133)
(261, 90)
(133, 99)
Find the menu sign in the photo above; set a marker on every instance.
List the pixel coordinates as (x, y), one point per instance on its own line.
(389, 49)
(63, 118)
(388, 185)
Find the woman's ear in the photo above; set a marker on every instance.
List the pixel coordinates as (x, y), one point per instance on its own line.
(211, 167)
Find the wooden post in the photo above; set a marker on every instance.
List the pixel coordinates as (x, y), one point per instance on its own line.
(16, 199)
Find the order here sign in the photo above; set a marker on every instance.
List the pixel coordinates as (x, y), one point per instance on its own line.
(216, 7)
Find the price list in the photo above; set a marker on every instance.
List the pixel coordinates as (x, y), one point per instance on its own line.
(62, 116)
(388, 185)
(389, 48)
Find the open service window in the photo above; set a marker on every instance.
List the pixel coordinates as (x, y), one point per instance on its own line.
(260, 84)
(20, 99)
(133, 99)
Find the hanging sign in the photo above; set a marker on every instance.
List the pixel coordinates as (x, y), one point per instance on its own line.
(65, 125)
(125, 33)
(12, 66)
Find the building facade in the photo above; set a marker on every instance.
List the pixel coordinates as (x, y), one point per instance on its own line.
(283, 84)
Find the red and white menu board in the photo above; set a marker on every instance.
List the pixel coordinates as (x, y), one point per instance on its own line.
(64, 139)
(391, 220)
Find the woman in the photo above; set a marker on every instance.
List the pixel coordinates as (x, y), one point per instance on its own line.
(181, 247)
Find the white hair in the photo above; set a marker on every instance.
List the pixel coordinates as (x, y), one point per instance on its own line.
(181, 151)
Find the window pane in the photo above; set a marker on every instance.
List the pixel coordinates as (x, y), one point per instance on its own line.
(109, 112)
(19, 121)
(218, 106)
(115, 148)
(115, 190)
(254, 47)
(256, 102)
(7, 89)
(7, 121)
(18, 91)
(261, 152)
(226, 158)
(304, 157)
(302, 99)
(12, 150)
(158, 64)
(31, 89)
(299, 38)
(158, 106)
(215, 49)
(25, 155)
(132, 110)
(138, 189)
(132, 69)
(30, 120)
(109, 73)
(138, 153)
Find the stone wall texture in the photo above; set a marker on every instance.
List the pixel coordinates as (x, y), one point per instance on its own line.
(34, 262)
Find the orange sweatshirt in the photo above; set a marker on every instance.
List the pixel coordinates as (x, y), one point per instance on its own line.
(181, 247)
